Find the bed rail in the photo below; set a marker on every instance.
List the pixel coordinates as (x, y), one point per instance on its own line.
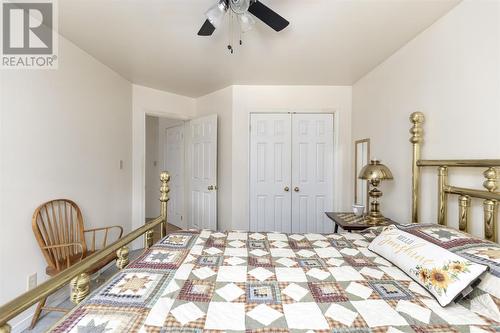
(76, 275)
(489, 195)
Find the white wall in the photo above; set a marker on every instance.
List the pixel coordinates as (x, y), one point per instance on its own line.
(221, 103)
(152, 167)
(451, 72)
(152, 102)
(247, 99)
(63, 133)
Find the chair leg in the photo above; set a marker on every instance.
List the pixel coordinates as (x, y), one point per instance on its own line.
(37, 313)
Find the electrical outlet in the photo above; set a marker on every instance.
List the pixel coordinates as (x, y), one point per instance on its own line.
(32, 281)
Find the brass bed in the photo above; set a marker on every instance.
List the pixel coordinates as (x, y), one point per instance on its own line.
(490, 196)
(77, 277)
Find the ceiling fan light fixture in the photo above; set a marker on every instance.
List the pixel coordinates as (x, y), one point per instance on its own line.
(216, 13)
(246, 22)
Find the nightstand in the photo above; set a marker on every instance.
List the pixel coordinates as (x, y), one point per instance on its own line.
(350, 222)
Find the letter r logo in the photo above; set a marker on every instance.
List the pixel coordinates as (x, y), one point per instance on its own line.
(27, 28)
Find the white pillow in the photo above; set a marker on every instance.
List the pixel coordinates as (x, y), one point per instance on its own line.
(444, 274)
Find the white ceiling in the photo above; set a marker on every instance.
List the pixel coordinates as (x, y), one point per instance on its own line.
(328, 42)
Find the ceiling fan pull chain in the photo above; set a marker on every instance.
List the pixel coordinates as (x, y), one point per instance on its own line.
(241, 35)
(229, 47)
(233, 27)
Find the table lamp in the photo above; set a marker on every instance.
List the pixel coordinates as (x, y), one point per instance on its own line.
(374, 172)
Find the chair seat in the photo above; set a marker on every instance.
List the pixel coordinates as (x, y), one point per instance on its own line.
(51, 271)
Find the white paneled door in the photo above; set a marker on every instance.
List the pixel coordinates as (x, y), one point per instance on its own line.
(291, 172)
(270, 172)
(174, 163)
(202, 150)
(312, 172)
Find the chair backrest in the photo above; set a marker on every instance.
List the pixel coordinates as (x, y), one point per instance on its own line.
(59, 222)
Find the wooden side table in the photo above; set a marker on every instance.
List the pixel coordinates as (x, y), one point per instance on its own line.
(350, 222)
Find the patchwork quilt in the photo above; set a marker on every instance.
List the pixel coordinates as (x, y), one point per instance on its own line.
(271, 282)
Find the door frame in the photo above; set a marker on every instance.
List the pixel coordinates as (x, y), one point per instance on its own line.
(139, 165)
(337, 166)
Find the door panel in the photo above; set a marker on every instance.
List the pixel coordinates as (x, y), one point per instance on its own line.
(203, 172)
(312, 172)
(270, 172)
(174, 163)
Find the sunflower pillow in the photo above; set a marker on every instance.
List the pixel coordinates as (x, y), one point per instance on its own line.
(444, 274)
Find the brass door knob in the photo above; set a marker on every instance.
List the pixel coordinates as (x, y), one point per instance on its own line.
(296, 189)
(286, 189)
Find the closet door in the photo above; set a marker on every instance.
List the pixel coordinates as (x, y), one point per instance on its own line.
(312, 172)
(270, 172)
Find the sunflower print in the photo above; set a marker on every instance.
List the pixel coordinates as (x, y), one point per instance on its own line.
(439, 278)
(458, 267)
(423, 275)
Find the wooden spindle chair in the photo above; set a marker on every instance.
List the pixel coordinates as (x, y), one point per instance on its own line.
(59, 230)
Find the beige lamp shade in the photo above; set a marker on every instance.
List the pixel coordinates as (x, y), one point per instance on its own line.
(375, 170)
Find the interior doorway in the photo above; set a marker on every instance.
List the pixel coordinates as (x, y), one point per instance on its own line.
(187, 149)
(165, 151)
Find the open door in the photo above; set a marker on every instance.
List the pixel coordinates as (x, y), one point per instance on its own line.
(202, 159)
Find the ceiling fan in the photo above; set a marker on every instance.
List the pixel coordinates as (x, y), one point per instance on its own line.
(242, 9)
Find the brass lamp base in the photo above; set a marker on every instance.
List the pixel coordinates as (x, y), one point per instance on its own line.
(374, 216)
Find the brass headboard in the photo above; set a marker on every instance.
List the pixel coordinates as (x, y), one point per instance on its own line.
(490, 196)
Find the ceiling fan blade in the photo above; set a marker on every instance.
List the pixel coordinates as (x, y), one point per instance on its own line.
(268, 16)
(207, 29)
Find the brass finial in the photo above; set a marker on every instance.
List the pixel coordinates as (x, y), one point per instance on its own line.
(5, 328)
(149, 238)
(164, 189)
(164, 176)
(417, 118)
(80, 288)
(491, 179)
(122, 257)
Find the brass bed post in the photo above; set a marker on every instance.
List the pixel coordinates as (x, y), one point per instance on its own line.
(490, 206)
(416, 131)
(164, 189)
(442, 195)
(463, 212)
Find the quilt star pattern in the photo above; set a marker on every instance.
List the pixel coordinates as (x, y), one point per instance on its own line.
(204, 281)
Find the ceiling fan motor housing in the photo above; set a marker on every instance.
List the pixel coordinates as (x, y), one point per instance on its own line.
(239, 6)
